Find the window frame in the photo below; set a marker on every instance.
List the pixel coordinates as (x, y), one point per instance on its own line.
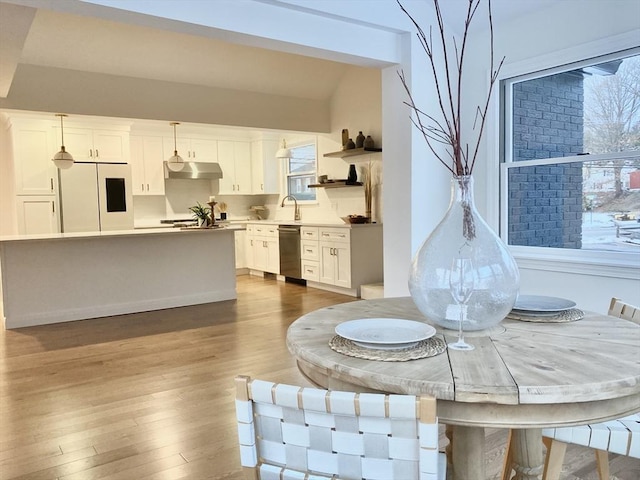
(286, 173)
(590, 262)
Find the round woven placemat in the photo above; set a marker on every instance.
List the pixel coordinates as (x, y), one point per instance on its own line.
(570, 315)
(426, 348)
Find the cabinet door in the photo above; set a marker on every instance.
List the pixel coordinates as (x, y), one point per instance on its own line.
(249, 252)
(203, 150)
(327, 263)
(260, 260)
(227, 161)
(138, 180)
(110, 146)
(147, 169)
(153, 165)
(35, 172)
(242, 155)
(78, 142)
(37, 214)
(257, 176)
(273, 255)
(265, 169)
(342, 272)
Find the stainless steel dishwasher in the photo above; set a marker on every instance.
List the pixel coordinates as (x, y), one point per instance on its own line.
(289, 236)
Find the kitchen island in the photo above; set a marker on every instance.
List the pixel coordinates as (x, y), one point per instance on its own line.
(63, 277)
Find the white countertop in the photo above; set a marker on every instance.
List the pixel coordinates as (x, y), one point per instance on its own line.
(313, 224)
(119, 233)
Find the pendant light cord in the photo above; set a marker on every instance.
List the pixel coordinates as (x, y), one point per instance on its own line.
(62, 131)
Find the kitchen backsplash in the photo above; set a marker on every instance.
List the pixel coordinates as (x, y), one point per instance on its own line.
(181, 194)
(331, 204)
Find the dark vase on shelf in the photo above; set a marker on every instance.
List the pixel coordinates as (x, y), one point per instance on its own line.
(368, 142)
(360, 140)
(350, 145)
(353, 175)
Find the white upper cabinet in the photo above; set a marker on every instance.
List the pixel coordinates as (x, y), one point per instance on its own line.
(96, 145)
(192, 149)
(33, 148)
(147, 168)
(203, 150)
(264, 167)
(234, 158)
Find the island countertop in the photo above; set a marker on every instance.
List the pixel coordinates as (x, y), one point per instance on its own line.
(119, 233)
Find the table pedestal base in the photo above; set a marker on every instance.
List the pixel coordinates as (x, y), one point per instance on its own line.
(527, 453)
(468, 452)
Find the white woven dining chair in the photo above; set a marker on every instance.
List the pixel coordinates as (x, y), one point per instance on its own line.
(289, 432)
(621, 436)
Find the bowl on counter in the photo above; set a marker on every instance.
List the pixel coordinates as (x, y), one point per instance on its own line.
(355, 219)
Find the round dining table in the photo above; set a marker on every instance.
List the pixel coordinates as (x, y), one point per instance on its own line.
(521, 375)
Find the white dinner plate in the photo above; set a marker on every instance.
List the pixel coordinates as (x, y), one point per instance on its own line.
(385, 333)
(541, 304)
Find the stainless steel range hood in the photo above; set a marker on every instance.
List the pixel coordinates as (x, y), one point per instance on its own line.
(195, 171)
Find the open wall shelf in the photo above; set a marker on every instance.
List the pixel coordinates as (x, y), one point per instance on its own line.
(352, 152)
(336, 184)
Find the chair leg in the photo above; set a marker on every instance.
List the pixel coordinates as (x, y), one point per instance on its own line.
(554, 458)
(507, 464)
(449, 449)
(602, 464)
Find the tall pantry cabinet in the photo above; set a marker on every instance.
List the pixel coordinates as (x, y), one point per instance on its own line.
(32, 195)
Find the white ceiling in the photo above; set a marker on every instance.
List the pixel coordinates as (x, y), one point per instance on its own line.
(91, 44)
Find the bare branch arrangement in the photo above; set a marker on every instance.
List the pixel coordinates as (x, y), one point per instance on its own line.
(448, 130)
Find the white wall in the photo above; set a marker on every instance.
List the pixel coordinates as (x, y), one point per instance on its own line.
(8, 215)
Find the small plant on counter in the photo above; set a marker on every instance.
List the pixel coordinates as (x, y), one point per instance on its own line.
(201, 213)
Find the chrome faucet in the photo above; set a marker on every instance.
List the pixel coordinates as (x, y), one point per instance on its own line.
(296, 212)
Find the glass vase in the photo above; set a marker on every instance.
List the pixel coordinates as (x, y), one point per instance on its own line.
(464, 233)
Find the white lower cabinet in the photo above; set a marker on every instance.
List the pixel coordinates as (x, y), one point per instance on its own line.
(335, 257)
(310, 254)
(342, 258)
(263, 248)
(37, 214)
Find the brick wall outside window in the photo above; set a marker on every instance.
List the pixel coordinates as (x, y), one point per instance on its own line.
(545, 202)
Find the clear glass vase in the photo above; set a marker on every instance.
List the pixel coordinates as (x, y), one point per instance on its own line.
(464, 233)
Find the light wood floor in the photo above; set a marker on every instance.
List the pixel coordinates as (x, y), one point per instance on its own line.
(150, 395)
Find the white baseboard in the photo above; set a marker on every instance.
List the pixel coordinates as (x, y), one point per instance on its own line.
(353, 292)
(70, 315)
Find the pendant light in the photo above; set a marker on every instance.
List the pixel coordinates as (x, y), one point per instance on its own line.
(175, 163)
(62, 159)
(283, 152)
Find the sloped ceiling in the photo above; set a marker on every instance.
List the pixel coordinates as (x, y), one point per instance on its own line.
(99, 46)
(46, 55)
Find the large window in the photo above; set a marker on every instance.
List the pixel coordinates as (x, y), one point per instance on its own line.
(301, 172)
(571, 156)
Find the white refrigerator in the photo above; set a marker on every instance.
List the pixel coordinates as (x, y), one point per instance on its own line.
(96, 197)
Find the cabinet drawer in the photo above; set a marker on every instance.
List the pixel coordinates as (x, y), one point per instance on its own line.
(309, 250)
(309, 233)
(335, 234)
(264, 230)
(310, 270)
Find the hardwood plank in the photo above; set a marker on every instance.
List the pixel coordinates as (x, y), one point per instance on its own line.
(150, 395)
